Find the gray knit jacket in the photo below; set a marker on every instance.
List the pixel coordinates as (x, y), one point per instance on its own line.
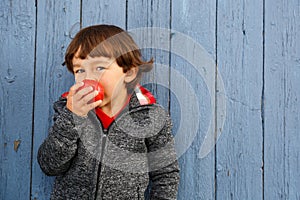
(90, 162)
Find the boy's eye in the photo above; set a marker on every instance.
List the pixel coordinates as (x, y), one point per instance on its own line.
(100, 68)
(78, 71)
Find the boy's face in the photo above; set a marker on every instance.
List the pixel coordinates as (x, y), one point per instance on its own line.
(106, 71)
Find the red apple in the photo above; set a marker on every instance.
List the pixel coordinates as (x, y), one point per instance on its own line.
(96, 86)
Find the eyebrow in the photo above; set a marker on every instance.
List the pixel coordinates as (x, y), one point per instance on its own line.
(106, 63)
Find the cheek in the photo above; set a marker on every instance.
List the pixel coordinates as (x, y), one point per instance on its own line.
(112, 85)
(107, 85)
(105, 82)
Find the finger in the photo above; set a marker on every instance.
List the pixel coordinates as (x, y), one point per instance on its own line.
(75, 87)
(94, 104)
(84, 92)
(97, 103)
(89, 97)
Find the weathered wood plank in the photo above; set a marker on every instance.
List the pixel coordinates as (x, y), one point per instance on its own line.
(58, 21)
(104, 12)
(144, 18)
(192, 80)
(17, 28)
(282, 105)
(240, 61)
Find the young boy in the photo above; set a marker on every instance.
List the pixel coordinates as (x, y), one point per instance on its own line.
(112, 148)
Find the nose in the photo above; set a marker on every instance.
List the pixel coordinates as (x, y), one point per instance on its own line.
(90, 75)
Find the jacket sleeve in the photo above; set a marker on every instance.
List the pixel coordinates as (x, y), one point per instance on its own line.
(163, 164)
(57, 151)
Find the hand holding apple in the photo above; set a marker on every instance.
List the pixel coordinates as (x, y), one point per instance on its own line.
(85, 96)
(96, 87)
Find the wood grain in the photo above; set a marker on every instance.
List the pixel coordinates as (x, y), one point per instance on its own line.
(282, 72)
(190, 97)
(58, 22)
(104, 12)
(240, 61)
(17, 33)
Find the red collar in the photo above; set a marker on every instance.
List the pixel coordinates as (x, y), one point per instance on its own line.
(107, 120)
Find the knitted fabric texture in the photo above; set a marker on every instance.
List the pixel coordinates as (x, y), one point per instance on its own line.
(118, 164)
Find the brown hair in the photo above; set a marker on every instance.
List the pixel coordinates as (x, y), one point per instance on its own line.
(108, 41)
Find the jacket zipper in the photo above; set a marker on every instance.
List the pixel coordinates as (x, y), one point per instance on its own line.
(105, 131)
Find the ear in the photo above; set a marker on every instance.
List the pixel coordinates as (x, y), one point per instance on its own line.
(130, 75)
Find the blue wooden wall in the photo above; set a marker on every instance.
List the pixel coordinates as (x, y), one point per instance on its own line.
(254, 87)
